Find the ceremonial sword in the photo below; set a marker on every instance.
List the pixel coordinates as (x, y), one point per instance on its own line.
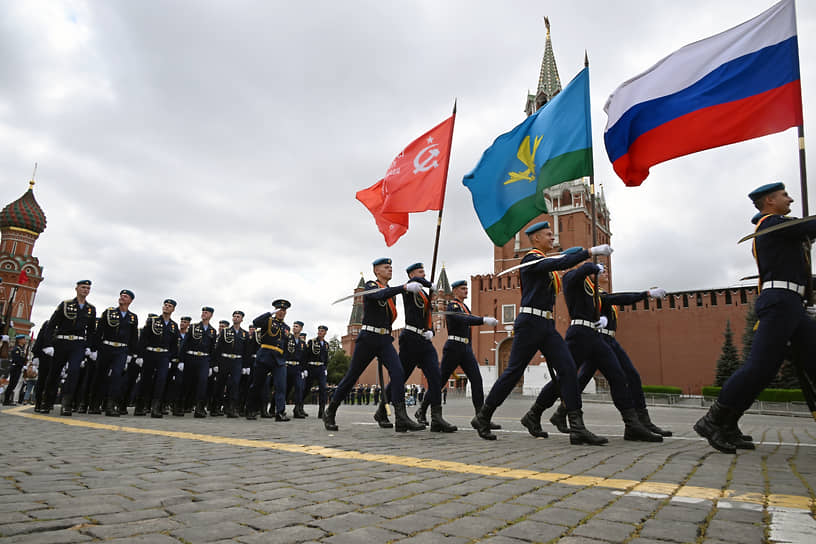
(528, 263)
(780, 226)
(360, 294)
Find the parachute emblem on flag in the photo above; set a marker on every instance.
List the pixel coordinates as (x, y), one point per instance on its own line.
(527, 157)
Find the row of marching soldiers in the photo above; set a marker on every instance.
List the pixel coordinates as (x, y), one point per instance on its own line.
(98, 363)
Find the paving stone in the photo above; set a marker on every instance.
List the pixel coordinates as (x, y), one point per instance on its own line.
(65, 536)
(211, 533)
(285, 535)
(412, 523)
(507, 512)
(29, 527)
(118, 530)
(365, 534)
(436, 538)
(744, 533)
(153, 538)
(675, 531)
(558, 516)
(471, 526)
(347, 522)
(534, 531)
(604, 530)
(277, 520)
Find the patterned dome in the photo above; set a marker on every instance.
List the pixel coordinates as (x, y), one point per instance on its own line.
(24, 213)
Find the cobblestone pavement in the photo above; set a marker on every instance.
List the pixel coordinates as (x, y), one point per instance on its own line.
(141, 480)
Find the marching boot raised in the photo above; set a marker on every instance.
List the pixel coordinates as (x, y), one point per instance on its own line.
(381, 417)
(635, 430)
(643, 416)
(421, 412)
(481, 422)
(439, 425)
(532, 421)
(714, 426)
(403, 423)
(579, 434)
(559, 419)
(328, 417)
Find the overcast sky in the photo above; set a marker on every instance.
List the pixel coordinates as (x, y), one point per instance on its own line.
(210, 151)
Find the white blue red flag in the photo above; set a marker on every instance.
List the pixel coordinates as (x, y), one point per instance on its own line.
(740, 84)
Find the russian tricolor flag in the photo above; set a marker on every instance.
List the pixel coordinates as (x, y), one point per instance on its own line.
(737, 85)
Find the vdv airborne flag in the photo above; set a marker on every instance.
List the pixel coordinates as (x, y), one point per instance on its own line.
(551, 146)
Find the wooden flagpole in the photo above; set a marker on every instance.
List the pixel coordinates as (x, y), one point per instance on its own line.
(444, 189)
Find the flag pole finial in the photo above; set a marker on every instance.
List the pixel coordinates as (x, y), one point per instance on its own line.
(33, 175)
(586, 59)
(547, 24)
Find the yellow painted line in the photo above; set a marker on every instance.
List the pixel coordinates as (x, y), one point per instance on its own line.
(694, 492)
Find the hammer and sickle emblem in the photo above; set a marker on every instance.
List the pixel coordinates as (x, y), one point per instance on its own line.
(429, 161)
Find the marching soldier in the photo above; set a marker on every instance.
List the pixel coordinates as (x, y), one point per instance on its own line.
(253, 345)
(592, 352)
(293, 353)
(375, 340)
(196, 351)
(230, 352)
(72, 325)
(175, 379)
(270, 359)
(416, 349)
(785, 277)
(43, 363)
(117, 338)
(158, 344)
(18, 360)
(534, 330)
(316, 357)
(458, 350)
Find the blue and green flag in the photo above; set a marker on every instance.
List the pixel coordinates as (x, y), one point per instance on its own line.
(551, 146)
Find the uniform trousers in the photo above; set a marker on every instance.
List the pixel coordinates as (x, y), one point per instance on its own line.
(228, 378)
(268, 362)
(316, 373)
(44, 369)
(66, 352)
(532, 334)
(196, 370)
(782, 319)
(632, 375)
(368, 346)
(415, 351)
(294, 381)
(459, 354)
(154, 375)
(14, 376)
(107, 378)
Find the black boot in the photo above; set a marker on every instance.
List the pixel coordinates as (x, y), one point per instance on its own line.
(321, 410)
(215, 409)
(635, 430)
(402, 422)
(439, 425)
(66, 406)
(265, 411)
(559, 419)
(328, 417)
(178, 409)
(735, 436)
(643, 416)
(421, 412)
(381, 417)
(200, 409)
(231, 412)
(579, 434)
(111, 410)
(95, 406)
(123, 408)
(532, 421)
(481, 422)
(297, 412)
(281, 416)
(156, 409)
(713, 426)
(139, 408)
(83, 408)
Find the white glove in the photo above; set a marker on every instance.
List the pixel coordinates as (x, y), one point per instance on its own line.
(603, 249)
(4, 338)
(428, 335)
(129, 358)
(601, 267)
(490, 321)
(49, 351)
(245, 371)
(87, 352)
(601, 323)
(215, 369)
(413, 287)
(657, 292)
(209, 373)
(303, 375)
(180, 366)
(139, 361)
(82, 364)
(92, 355)
(36, 361)
(811, 311)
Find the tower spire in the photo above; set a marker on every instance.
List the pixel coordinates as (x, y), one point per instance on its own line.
(549, 83)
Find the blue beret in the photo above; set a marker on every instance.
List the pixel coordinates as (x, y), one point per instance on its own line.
(20, 336)
(281, 304)
(84, 282)
(208, 309)
(242, 314)
(536, 227)
(766, 189)
(186, 318)
(223, 322)
(324, 327)
(298, 323)
(302, 335)
(570, 251)
(458, 283)
(382, 260)
(170, 301)
(127, 292)
(414, 266)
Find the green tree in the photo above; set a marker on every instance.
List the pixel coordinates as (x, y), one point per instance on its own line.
(748, 336)
(338, 361)
(729, 360)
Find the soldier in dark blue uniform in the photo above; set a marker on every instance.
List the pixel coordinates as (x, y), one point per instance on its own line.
(252, 347)
(196, 351)
(117, 339)
(270, 360)
(72, 325)
(591, 352)
(158, 343)
(375, 340)
(783, 260)
(458, 350)
(293, 353)
(316, 361)
(416, 349)
(43, 363)
(174, 389)
(18, 359)
(534, 330)
(230, 353)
